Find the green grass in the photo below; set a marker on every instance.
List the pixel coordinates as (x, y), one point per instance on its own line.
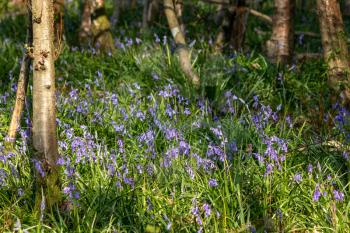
(157, 185)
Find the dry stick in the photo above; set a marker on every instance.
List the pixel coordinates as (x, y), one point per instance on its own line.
(21, 89)
(182, 50)
(260, 15)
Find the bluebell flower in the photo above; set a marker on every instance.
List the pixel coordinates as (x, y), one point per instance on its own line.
(212, 183)
(317, 194)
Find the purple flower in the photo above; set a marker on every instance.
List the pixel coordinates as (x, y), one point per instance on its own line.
(317, 194)
(269, 169)
(171, 134)
(207, 209)
(297, 178)
(184, 148)
(190, 172)
(39, 168)
(129, 181)
(258, 157)
(338, 195)
(309, 168)
(212, 183)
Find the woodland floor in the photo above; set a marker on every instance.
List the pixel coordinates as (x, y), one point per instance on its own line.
(257, 148)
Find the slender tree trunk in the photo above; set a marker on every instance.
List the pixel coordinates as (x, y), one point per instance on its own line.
(233, 25)
(280, 46)
(133, 4)
(116, 12)
(21, 87)
(44, 105)
(222, 18)
(85, 27)
(150, 10)
(335, 49)
(153, 10)
(346, 10)
(101, 27)
(182, 50)
(95, 26)
(179, 5)
(238, 28)
(59, 24)
(146, 6)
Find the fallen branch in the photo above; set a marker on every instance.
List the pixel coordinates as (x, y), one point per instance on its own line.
(21, 89)
(304, 56)
(260, 15)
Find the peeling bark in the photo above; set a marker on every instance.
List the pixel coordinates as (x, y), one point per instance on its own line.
(21, 88)
(182, 50)
(44, 105)
(280, 46)
(335, 49)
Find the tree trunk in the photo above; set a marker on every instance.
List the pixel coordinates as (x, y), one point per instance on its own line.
(153, 10)
(146, 6)
(59, 24)
(21, 88)
(233, 25)
(95, 26)
(335, 49)
(85, 27)
(179, 12)
(346, 10)
(44, 105)
(182, 50)
(116, 12)
(280, 46)
(238, 27)
(101, 27)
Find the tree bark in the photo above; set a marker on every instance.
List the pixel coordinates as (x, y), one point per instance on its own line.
(21, 87)
(335, 49)
(182, 50)
(153, 10)
(95, 26)
(346, 10)
(116, 12)
(59, 25)
(101, 27)
(146, 5)
(85, 27)
(44, 105)
(233, 26)
(179, 12)
(280, 46)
